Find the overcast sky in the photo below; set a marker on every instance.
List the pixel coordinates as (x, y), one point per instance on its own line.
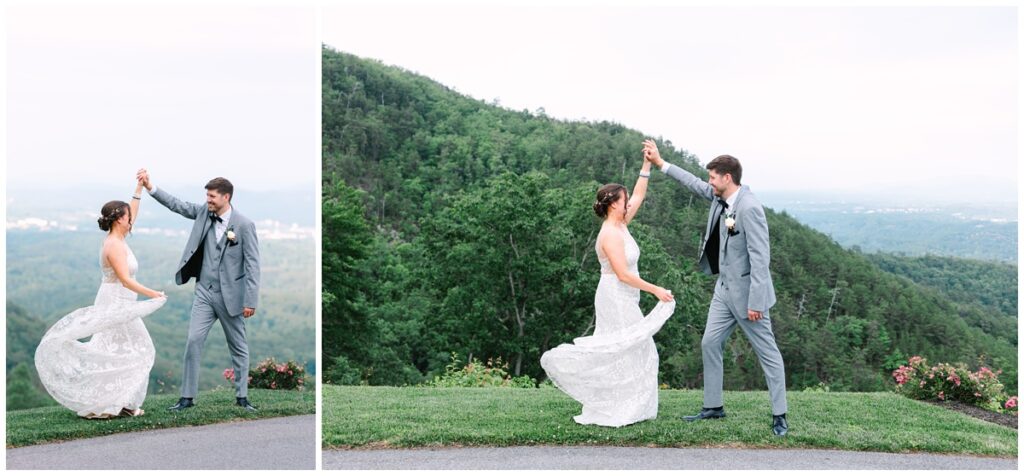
(875, 101)
(189, 92)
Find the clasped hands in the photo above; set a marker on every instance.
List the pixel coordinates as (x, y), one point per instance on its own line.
(651, 153)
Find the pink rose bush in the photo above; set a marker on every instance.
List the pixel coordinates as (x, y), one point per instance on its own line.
(948, 382)
(277, 375)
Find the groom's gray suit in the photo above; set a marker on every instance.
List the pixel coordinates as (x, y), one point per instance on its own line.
(740, 258)
(227, 276)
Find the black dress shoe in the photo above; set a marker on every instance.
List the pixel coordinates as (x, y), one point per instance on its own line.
(244, 403)
(182, 404)
(707, 414)
(779, 425)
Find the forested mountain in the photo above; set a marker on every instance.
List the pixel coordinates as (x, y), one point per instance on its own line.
(453, 225)
(991, 284)
(52, 273)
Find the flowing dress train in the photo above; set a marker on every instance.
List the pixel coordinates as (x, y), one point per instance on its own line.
(109, 372)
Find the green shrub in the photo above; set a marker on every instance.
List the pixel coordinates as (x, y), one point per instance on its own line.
(821, 387)
(343, 372)
(477, 374)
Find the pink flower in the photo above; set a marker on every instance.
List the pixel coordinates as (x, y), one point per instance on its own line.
(915, 360)
(229, 374)
(300, 381)
(902, 375)
(984, 372)
(273, 384)
(282, 368)
(250, 379)
(1012, 402)
(942, 395)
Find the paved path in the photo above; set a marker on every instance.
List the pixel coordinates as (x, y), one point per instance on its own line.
(614, 457)
(273, 443)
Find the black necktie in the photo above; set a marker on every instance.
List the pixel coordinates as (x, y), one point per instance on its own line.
(723, 203)
(214, 217)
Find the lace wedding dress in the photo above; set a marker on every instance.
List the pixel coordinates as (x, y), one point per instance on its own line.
(109, 372)
(613, 373)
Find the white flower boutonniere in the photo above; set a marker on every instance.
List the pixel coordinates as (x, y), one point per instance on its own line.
(730, 224)
(231, 236)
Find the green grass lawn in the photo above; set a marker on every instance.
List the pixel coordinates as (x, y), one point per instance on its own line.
(51, 424)
(411, 417)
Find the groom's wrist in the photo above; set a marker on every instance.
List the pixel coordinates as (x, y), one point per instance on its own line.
(664, 166)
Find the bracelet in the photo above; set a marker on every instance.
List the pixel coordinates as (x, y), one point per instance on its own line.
(647, 175)
(136, 197)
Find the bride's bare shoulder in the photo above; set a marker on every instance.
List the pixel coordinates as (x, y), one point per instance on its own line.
(113, 245)
(609, 235)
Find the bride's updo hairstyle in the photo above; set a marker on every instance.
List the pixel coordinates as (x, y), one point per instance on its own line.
(111, 212)
(606, 196)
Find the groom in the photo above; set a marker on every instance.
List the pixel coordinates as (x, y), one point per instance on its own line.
(223, 255)
(735, 247)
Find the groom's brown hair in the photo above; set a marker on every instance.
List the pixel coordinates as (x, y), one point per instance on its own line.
(726, 164)
(222, 186)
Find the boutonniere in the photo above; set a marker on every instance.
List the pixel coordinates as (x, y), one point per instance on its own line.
(231, 235)
(730, 224)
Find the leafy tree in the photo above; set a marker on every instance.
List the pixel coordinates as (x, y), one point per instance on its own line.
(345, 240)
(498, 253)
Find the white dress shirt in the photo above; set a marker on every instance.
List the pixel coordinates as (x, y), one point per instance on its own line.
(222, 226)
(732, 200)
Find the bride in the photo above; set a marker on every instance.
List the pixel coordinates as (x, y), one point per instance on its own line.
(106, 376)
(614, 373)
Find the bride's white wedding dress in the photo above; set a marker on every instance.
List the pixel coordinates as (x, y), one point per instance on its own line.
(110, 372)
(613, 373)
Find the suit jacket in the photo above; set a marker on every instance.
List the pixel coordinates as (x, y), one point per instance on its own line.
(239, 270)
(744, 255)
